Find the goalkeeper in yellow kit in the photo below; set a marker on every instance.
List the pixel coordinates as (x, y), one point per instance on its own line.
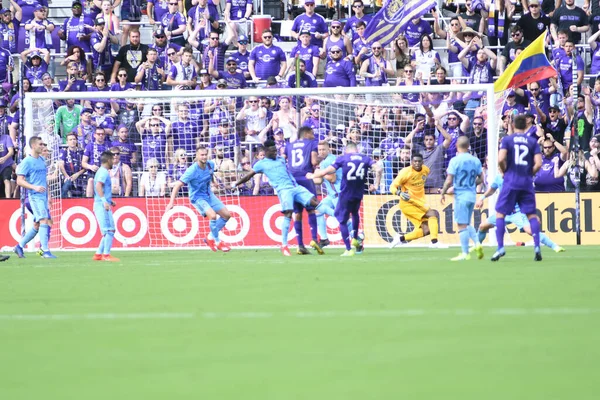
(410, 186)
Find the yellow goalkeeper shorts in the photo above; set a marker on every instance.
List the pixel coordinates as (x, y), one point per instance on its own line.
(414, 210)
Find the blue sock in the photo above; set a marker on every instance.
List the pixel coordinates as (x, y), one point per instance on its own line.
(211, 233)
(44, 237)
(535, 232)
(322, 226)
(500, 227)
(298, 229)
(355, 224)
(29, 235)
(545, 240)
(481, 236)
(101, 246)
(285, 230)
(473, 235)
(464, 240)
(312, 222)
(345, 235)
(219, 225)
(108, 241)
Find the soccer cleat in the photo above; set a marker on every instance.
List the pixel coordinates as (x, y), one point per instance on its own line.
(438, 245)
(461, 257)
(324, 242)
(4, 258)
(397, 240)
(285, 251)
(224, 247)
(558, 249)
(302, 251)
(47, 254)
(348, 253)
(317, 248)
(538, 256)
(40, 252)
(479, 251)
(211, 244)
(108, 257)
(498, 255)
(97, 257)
(358, 245)
(19, 251)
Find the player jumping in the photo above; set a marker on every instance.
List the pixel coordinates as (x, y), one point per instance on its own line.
(519, 159)
(355, 168)
(463, 173)
(31, 175)
(103, 204)
(287, 190)
(410, 186)
(517, 218)
(198, 177)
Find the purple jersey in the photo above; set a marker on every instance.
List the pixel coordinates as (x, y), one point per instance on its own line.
(520, 151)
(94, 150)
(218, 53)
(9, 33)
(172, 22)
(5, 143)
(229, 144)
(353, 21)
(126, 149)
(306, 54)
(242, 60)
(299, 156)
(75, 28)
(40, 40)
(103, 60)
(545, 180)
(319, 126)
(339, 73)
(238, 9)
(414, 32)
(355, 168)
(315, 23)
(185, 135)
(267, 60)
(72, 160)
(595, 69)
(160, 9)
(154, 147)
(5, 61)
(564, 67)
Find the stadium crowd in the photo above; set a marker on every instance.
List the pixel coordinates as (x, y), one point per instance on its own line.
(205, 45)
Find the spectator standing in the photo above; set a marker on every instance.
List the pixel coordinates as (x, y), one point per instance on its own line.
(242, 56)
(571, 19)
(156, 140)
(39, 28)
(127, 148)
(236, 14)
(71, 169)
(534, 22)
(415, 29)
(101, 40)
(359, 16)
(9, 27)
(550, 177)
(202, 19)
(66, 118)
(173, 24)
(307, 52)
(312, 22)
(130, 57)
(339, 71)
(35, 65)
(77, 29)
(267, 59)
(91, 158)
(85, 129)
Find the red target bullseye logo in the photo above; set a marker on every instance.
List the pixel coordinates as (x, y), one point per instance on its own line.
(238, 226)
(272, 222)
(78, 225)
(179, 225)
(131, 225)
(333, 229)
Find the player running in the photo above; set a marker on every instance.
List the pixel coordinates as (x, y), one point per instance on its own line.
(31, 175)
(333, 183)
(517, 218)
(198, 177)
(302, 157)
(463, 173)
(103, 204)
(519, 159)
(287, 190)
(410, 186)
(355, 168)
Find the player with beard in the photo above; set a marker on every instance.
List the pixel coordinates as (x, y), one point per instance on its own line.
(339, 71)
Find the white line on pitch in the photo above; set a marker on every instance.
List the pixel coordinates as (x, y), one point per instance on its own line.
(408, 313)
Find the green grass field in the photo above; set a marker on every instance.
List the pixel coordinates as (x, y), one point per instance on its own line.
(251, 324)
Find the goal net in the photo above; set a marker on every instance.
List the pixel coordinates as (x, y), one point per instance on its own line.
(157, 134)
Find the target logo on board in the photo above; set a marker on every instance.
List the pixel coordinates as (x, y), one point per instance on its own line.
(78, 225)
(179, 225)
(238, 226)
(272, 222)
(131, 225)
(333, 228)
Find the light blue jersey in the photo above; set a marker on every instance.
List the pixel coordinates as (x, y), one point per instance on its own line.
(34, 171)
(465, 168)
(103, 177)
(276, 170)
(199, 180)
(332, 189)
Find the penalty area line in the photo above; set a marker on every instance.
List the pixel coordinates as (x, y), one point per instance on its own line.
(408, 313)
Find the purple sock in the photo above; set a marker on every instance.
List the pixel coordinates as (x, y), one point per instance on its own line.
(312, 222)
(298, 228)
(500, 228)
(535, 231)
(345, 235)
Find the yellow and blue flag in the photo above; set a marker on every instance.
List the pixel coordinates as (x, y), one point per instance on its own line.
(530, 65)
(393, 17)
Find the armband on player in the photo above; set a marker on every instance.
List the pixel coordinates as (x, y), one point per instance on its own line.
(482, 198)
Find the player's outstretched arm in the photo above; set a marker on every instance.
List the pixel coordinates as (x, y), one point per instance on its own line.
(490, 191)
(244, 179)
(321, 172)
(174, 193)
(447, 183)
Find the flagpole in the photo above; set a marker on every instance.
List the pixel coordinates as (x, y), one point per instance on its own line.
(575, 147)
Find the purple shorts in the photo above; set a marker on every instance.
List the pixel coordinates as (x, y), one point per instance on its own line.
(345, 208)
(509, 198)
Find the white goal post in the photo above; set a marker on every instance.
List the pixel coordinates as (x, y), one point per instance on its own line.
(144, 224)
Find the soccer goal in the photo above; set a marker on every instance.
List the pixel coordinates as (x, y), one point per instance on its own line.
(168, 126)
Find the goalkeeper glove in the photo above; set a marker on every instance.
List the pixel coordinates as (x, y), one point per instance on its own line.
(404, 196)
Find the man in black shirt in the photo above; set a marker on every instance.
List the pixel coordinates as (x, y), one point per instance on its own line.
(570, 18)
(130, 56)
(478, 139)
(534, 23)
(510, 50)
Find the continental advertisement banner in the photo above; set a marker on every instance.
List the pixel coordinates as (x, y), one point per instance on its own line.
(383, 219)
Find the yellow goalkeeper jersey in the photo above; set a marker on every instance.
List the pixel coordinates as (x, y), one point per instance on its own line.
(411, 181)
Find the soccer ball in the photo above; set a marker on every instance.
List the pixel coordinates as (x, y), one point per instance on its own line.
(360, 236)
